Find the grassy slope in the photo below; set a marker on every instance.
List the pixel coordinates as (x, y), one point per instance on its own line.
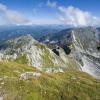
(70, 85)
(13, 69)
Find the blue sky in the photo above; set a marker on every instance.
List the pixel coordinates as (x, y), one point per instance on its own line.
(71, 12)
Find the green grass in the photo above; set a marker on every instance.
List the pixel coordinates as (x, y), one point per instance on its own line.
(70, 85)
(13, 69)
(21, 59)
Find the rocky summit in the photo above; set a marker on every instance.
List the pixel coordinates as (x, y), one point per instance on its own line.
(27, 50)
(24, 47)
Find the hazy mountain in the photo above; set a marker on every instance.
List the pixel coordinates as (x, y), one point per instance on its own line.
(62, 37)
(37, 31)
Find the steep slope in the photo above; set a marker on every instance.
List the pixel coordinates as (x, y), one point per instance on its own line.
(26, 50)
(85, 50)
(70, 61)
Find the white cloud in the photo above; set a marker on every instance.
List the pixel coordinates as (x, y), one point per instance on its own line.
(76, 17)
(13, 17)
(52, 4)
(2, 7)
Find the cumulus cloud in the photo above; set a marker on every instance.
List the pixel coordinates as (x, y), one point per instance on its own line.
(52, 4)
(75, 16)
(13, 17)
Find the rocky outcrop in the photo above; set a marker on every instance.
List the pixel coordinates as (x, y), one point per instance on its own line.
(28, 75)
(85, 50)
(37, 54)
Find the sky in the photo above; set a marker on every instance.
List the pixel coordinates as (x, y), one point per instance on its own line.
(69, 12)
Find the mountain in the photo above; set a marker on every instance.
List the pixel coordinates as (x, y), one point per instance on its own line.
(86, 51)
(84, 54)
(63, 37)
(37, 31)
(31, 70)
(84, 44)
(60, 38)
(27, 50)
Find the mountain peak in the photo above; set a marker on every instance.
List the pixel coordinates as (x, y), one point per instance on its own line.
(26, 49)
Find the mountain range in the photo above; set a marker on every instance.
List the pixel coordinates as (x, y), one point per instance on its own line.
(61, 65)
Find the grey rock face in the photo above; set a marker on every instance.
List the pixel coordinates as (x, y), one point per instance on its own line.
(85, 50)
(37, 54)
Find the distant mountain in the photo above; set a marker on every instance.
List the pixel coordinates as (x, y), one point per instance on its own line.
(98, 28)
(37, 31)
(60, 38)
